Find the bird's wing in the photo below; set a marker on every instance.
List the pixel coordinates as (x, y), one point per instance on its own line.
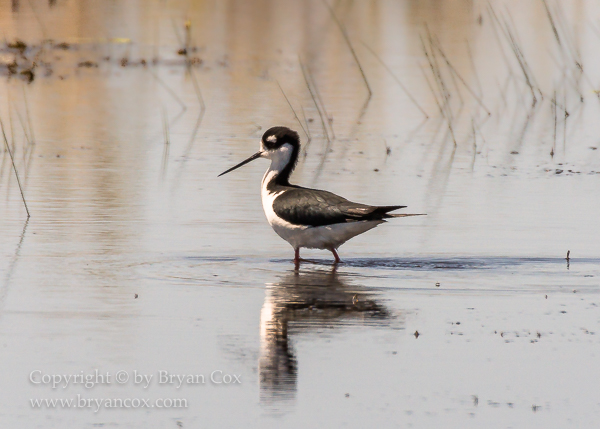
(302, 206)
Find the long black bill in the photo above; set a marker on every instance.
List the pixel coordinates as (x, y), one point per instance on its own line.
(252, 158)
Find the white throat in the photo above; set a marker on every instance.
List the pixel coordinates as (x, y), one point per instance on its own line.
(279, 159)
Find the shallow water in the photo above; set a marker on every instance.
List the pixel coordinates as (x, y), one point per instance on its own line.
(137, 258)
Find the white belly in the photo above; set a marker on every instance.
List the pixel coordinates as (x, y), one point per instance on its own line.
(313, 237)
(324, 237)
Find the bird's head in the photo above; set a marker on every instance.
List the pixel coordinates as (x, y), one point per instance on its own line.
(277, 143)
(275, 138)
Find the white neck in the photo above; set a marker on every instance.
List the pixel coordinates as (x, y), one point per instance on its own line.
(279, 159)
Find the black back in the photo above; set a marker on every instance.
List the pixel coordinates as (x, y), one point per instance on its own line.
(313, 207)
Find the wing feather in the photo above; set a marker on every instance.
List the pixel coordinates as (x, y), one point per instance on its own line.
(302, 206)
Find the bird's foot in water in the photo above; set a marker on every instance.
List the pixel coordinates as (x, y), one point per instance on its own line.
(336, 256)
(298, 259)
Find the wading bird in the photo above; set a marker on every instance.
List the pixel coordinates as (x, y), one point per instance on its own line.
(305, 217)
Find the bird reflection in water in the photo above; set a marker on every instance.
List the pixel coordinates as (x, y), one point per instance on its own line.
(303, 302)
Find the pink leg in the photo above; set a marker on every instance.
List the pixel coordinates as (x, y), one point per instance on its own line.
(337, 258)
(297, 256)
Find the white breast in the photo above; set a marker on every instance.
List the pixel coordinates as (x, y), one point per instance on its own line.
(283, 228)
(318, 237)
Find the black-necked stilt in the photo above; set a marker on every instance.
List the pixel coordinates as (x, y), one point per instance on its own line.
(306, 217)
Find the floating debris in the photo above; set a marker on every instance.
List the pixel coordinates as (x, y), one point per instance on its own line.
(18, 45)
(28, 74)
(64, 46)
(87, 64)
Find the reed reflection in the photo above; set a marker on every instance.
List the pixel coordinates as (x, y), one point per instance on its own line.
(303, 303)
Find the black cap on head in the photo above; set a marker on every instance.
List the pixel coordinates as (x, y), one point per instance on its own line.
(277, 136)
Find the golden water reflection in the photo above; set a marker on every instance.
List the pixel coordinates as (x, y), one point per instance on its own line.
(306, 303)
